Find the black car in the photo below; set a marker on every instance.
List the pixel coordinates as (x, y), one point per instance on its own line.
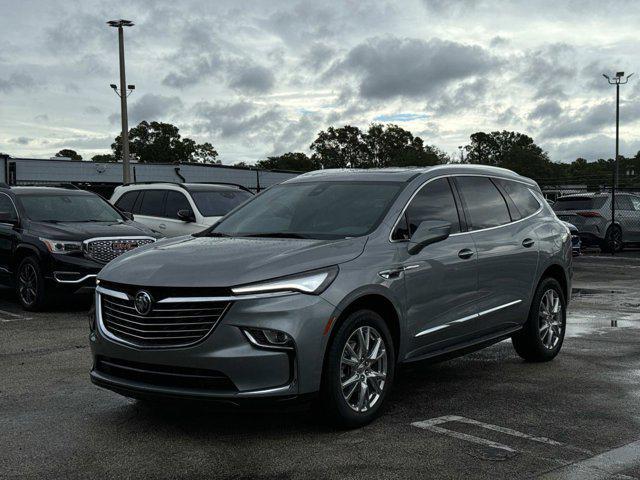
(58, 239)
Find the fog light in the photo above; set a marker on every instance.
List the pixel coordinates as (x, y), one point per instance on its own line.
(266, 338)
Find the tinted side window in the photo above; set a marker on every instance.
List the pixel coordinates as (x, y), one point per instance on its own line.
(7, 210)
(623, 202)
(485, 204)
(636, 203)
(522, 197)
(175, 201)
(126, 201)
(152, 203)
(434, 202)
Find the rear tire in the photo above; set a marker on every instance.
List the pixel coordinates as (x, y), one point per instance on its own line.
(541, 338)
(358, 370)
(30, 287)
(612, 240)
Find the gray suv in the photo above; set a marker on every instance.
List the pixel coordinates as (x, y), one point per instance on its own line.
(591, 214)
(320, 286)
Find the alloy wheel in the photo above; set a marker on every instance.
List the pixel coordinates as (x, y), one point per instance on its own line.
(28, 284)
(363, 368)
(550, 319)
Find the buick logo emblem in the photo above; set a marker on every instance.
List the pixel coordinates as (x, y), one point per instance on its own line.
(143, 302)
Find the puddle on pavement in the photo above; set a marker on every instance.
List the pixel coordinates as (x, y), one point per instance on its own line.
(583, 292)
(580, 323)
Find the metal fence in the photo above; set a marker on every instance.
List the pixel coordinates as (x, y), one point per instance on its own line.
(603, 223)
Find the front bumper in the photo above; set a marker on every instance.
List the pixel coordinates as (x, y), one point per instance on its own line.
(252, 372)
(71, 272)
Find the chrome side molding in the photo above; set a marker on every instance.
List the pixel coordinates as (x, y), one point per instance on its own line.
(466, 319)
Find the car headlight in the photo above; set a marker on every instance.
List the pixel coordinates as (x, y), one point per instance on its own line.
(313, 283)
(62, 246)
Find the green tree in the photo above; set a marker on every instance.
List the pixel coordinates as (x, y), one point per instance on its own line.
(380, 146)
(102, 157)
(72, 154)
(513, 150)
(159, 142)
(296, 161)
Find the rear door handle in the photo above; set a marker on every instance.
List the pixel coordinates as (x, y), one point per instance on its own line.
(162, 226)
(465, 253)
(528, 243)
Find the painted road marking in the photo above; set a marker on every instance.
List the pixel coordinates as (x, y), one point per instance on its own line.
(603, 465)
(4, 312)
(433, 426)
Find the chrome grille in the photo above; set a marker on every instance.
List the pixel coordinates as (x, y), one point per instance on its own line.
(104, 250)
(171, 324)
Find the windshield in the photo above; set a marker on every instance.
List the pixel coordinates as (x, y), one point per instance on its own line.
(313, 210)
(578, 203)
(68, 208)
(219, 203)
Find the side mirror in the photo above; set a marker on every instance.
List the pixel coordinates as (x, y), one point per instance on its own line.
(428, 232)
(127, 215)
(186, 215)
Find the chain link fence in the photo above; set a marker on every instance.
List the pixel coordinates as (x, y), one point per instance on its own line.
(602, 223)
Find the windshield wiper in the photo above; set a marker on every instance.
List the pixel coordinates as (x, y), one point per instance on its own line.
(215, 234)
(276, 235)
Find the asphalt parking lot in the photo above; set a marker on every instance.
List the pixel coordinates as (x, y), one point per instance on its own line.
(486, 415)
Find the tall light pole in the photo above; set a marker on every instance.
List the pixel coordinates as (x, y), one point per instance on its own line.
(618, 80)
(126, 171)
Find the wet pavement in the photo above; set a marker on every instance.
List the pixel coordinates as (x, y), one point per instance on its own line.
(485, 415)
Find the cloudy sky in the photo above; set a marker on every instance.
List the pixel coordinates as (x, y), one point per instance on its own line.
(257, 78)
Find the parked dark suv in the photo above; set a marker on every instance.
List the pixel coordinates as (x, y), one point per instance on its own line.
(324, 283)
(59, 239)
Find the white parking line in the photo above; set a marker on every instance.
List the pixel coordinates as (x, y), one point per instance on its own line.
(4, 312)
(604, 465)
(432, 425)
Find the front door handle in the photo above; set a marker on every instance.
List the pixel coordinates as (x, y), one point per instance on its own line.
(465, 253)
(528, 243)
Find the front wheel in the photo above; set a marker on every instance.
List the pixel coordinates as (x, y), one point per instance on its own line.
(358, 371)
(541, 338)
(30, 285)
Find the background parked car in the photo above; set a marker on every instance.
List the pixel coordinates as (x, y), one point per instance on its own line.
(576, 243)
(59, 239)
(179, 208)
(591, 214)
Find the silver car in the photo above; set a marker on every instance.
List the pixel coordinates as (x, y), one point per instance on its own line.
(321, 286)
(591, 214)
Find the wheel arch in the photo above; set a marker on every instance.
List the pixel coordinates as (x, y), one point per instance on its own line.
(23, 250)
(557, 272)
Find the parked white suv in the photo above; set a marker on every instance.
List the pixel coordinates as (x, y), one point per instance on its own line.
(178, 208)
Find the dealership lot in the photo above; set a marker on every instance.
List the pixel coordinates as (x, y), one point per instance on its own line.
(485, 415)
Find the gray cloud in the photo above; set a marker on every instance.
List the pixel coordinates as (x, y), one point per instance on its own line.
(242, 118)
(251, 79)
(21, 140)
(153, 107)
(17, 81)
(545, 109)
(548, 68)
(91, 110)
(392, 67)
(466, 96)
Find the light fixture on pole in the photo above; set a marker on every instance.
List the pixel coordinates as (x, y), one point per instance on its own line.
(618, 80)
(123, 94)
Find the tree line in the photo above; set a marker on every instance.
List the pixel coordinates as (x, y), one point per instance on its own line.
(376, 147)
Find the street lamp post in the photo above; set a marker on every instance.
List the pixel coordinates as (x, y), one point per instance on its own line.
(126, 171)
(618, 80)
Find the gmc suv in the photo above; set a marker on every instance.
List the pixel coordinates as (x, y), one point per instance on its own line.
(322, 285)
(58, 239)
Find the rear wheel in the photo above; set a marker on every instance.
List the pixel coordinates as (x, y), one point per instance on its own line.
(30, 285)
(359, 370)
(613, 240)
(541, 338)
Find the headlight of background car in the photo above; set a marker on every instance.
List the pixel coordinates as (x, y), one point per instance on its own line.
(61, 246)
(314, 282)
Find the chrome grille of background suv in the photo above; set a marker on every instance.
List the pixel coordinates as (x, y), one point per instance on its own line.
(170, 324)
(104, 250)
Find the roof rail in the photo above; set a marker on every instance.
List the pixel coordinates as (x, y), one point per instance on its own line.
(182, 185)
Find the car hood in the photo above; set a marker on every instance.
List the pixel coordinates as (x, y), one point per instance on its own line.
(224, 262)
(79, 231)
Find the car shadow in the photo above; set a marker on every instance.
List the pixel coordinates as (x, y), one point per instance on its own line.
(60, 302)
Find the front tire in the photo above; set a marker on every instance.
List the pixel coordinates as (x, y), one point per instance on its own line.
(359, 370)
(30, 287)
(541, 338)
